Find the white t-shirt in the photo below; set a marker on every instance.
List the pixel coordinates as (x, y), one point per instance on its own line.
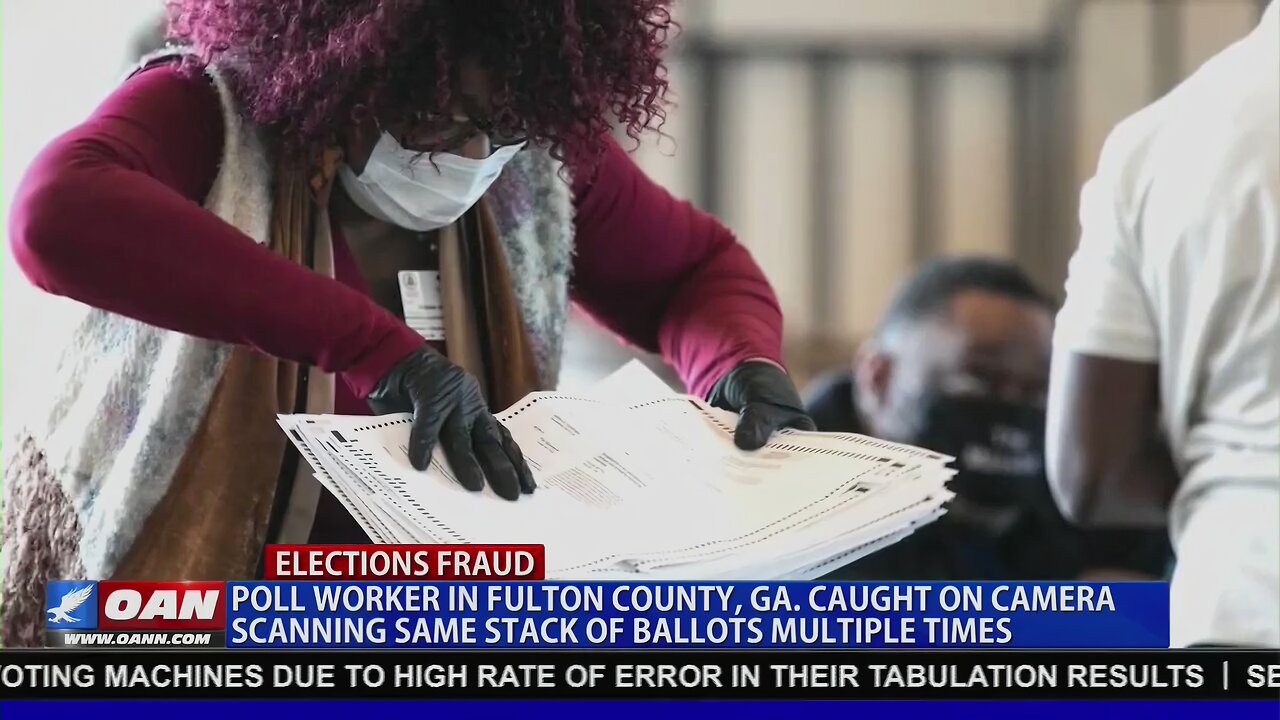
(1179, 262)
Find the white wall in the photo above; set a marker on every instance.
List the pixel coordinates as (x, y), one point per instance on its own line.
(873, 20)
(58, 59)
(875, 222)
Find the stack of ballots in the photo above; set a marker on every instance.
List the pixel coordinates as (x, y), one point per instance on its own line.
(637, 482)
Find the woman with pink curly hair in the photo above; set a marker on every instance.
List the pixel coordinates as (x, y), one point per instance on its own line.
(321, 206)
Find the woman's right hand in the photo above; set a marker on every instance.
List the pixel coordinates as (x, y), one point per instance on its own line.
(448, 407)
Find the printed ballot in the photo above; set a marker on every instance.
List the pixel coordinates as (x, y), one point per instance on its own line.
(637, 481)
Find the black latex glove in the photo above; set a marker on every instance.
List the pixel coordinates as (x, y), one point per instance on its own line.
(447, 406)
(765, 398)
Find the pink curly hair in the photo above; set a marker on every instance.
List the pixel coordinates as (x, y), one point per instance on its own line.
(563, 71)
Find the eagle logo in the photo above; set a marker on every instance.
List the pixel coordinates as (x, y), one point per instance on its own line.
(70, 602)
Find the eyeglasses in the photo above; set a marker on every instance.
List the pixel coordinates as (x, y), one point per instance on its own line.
(449, 132)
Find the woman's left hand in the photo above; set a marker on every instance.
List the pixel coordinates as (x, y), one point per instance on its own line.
(766, 400)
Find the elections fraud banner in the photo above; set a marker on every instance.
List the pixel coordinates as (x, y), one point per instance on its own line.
(736, 615)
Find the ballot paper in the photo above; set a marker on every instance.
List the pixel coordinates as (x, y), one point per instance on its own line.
(637, 481)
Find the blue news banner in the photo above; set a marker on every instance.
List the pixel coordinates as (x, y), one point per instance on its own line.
(696, 615)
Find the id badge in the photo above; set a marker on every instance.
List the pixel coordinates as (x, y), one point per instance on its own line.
(422, 302)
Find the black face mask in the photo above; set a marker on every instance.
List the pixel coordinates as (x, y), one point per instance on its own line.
(1003, 522)
(998, 448)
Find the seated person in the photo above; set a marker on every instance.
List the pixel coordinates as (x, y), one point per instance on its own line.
(960, 365)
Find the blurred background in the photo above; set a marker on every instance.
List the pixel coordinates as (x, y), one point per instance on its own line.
(843, 140)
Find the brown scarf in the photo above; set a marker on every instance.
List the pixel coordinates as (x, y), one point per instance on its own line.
(213, 521)
(483, 326)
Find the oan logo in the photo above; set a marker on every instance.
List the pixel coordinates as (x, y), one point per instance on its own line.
(71, 605)
(162, 606)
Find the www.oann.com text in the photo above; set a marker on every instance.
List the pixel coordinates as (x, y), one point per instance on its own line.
(137, 639)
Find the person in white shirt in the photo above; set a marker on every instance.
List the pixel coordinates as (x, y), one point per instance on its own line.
(1164, 401)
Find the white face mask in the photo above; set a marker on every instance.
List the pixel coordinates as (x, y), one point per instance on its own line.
(421, 191)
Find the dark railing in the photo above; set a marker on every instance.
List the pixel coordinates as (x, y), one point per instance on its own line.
(1029, 68)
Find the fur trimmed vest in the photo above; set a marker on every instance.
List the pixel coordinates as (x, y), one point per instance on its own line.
(127, 397)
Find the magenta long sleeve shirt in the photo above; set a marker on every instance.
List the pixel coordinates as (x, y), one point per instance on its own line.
(110, 215)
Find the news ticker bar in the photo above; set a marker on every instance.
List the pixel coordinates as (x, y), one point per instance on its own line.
(673, 675)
